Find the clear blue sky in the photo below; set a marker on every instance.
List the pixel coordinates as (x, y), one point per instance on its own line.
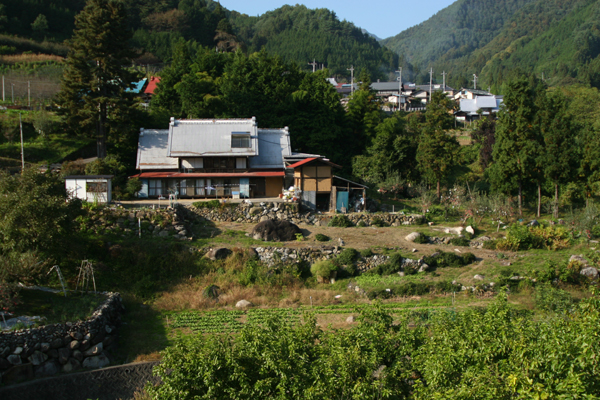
(381, 18)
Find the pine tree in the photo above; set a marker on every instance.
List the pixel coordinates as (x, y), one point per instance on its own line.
(436, 150)
(93, 94)
(558, 134)
(517, 146)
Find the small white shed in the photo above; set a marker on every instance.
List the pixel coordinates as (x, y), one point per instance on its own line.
(92, 188)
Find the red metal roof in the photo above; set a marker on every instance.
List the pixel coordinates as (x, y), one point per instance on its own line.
(209, 174)
(308, 160)
(152, 85)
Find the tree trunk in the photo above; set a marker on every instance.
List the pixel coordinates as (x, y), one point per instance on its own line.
(438, 190)
(539, 204)
(101, 138)
(556, 200)
(520, 199)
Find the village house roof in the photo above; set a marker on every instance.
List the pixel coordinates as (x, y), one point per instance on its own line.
(152, 150)
(152, 85)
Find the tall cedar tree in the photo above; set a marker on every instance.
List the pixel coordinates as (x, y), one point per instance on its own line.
(558, 133)
(436, 150)
(93, 93)
(364, 115)
(517, 147)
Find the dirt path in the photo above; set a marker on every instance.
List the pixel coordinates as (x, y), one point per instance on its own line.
(367, 237)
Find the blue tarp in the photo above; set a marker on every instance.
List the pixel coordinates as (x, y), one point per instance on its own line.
(138, 86)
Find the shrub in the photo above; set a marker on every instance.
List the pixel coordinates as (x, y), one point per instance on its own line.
(422, 239)
(549, 298)
(347, 256)
(323, 268)
(459, 241)
(378, 222)
(490, 244)
(361, 224)
(366, 253)
(322, 238)
(211, 292)
(340, 221)
(444, 260)
(207, 204)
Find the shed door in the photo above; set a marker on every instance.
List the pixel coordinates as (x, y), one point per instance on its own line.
(342, 201)
(309, 199)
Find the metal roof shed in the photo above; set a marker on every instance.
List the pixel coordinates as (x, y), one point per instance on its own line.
(91, 188)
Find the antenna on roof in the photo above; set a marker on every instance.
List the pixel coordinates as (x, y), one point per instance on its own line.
(351, 69)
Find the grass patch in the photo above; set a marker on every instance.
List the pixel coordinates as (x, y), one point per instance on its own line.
(56, 308)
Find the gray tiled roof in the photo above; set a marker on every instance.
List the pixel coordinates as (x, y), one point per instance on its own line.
(152, 150)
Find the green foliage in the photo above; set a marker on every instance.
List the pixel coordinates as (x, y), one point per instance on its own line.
(93, 94)
(35, 214)
(323, 268)
(422, 239)
(522, 237)
(207, 204)
(322, 238)
(490, 244)
(459, 241)
(366, 252)
(348, 256)
(378, 222)
(361, 224)
(549, 298)
(340, 221)
(442, 259)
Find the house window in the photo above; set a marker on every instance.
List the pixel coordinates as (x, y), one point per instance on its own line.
(155, 187)
(240, 140)
(240, 163)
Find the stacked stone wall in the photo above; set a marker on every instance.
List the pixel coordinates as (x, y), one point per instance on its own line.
(50, 349)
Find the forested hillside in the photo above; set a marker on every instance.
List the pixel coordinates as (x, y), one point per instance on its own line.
(500, 40)
(451, 34)
(296, 34)
(302, 35)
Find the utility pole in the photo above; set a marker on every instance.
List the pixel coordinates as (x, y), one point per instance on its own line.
(399, 85)
(474, 82)
(444, 77)
(314, 65)
(22, 152)
(28, 94)
(351, 69)
(3, 99)
(430, 83)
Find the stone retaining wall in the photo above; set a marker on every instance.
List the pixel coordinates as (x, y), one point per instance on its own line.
(50, 349)
(250, 212)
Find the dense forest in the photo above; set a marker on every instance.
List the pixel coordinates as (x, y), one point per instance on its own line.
(556, 40)
(296, 33)
(451, 34)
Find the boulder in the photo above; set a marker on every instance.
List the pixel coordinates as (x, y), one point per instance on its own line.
(94, 350)
(534, 223)
(479, 277)
(275, 230)
(38, 358)
(411, 237)
(99, 361)
(243, 304)
(14, 359)
(351, 318)
(219, 253)
(470, 230)
(457, 231)
(423, 268)
(256, 210)
(579, 258)
(63, 355)
(590, 272)
(47, 369)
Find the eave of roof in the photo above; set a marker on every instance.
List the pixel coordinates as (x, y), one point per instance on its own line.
(309, 160)
(256, 174)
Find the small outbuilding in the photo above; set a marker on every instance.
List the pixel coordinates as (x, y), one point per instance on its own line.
(91, 188)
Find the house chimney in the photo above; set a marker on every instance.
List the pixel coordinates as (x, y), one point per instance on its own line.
(286, 131)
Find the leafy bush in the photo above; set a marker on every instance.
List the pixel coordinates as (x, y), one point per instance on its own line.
(340, 221)
(207, 204)
(445, 259)
(361, 224)
(459, 241)
(490, 244)
(366, 253)
(549, 298)
(521, 237)
(378, 222)
(322, 238)
(323, 268)
(347, 256)
(422, 239)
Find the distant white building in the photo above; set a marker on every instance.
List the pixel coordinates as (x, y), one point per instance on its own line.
(91, 188)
